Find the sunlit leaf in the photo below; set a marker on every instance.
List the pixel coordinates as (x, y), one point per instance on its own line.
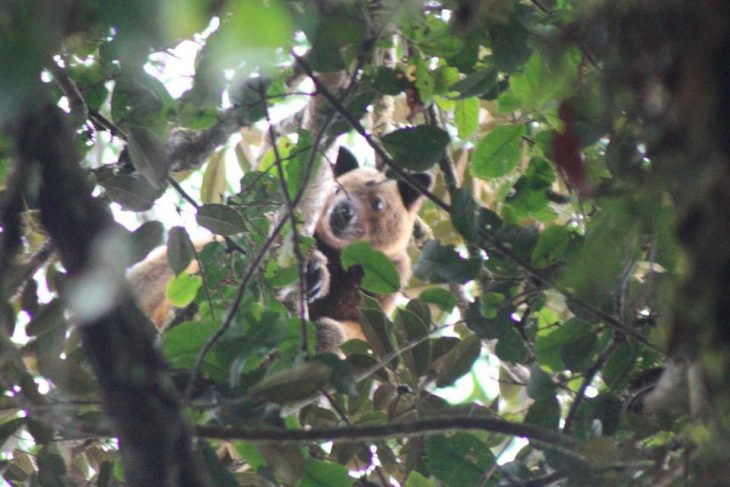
(182, 289)
(466, 117)
(498, 153)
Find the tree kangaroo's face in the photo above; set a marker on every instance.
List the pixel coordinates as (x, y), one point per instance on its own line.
(365, 205)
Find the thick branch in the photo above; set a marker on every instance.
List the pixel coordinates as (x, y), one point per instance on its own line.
(369, 432)
(139, 398)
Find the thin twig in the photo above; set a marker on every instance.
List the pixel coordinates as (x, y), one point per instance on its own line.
(587, 379)
(233, 309)
(291, 213)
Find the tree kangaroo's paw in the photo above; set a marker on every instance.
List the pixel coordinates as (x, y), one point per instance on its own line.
(330, 334)
(317, 276)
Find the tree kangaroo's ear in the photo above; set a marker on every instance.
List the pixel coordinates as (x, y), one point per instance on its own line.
(346, 162)
(411, 195)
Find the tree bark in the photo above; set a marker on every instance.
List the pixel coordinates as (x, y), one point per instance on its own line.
(139, 398)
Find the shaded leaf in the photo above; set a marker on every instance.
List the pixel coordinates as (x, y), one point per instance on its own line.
(442, 264)
(220, 219)
(465, 214)
(511, 347)
(540, 385)
(380, 275)
(545, 413)
(144, 239)
(458, 361)
(411, 327)
(132, 192)
(458, 460)
(444, 299)
(552, 245)
(417, 148)
(389, 81)
(179, 249)
(293, 384)
(325, 474)
(148, 155)
(476, 83)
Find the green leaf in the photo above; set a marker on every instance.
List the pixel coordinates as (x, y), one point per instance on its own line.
(380, 275)
(293, 384)
(458, 361)
(509, 44)
(181, 344)
(179, 249)
(145, 238)
(618, 366)
(220, 219)
(476, 83)
(295, 168)
(498, 153)
(577, 354)
(458, 460)
(546, 80)
(424, 81)
(552, 246)
(511, 347)
(442, 264)
(444, 299)
(376, 327)
(330, 36)
(540, 385)
(549, 346)
(325, 474)
(148, 155)
(417, 148)
(182, 289)
(50, 316)
(214, 179)
(132, 192)
(465, 214)
(466, 117)
(492, 326)
(415, 479)
(545, 413)
(389, 81)
(253, 32)
(410, 327)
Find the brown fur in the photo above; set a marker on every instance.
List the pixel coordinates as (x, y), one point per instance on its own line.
(383, 212)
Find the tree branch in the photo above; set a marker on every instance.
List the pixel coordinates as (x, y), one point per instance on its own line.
(139, 399)
(410, 428)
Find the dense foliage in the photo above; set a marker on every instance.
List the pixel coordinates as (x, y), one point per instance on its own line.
(546, 260)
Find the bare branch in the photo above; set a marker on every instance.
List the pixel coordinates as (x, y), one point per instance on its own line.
(412, 428)
(140, 400)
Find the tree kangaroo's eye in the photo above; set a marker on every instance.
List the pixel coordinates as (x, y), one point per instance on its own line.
(336, 190)
(378, 204)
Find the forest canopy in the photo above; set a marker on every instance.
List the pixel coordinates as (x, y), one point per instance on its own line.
(566, 322)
